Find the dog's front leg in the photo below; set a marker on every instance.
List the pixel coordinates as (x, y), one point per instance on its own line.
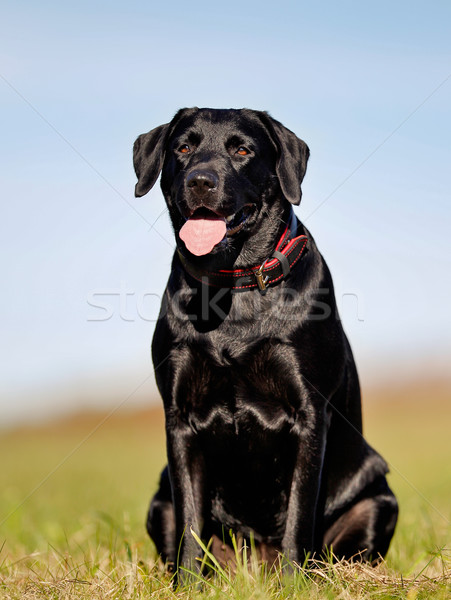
(299, 537)
(186, 481)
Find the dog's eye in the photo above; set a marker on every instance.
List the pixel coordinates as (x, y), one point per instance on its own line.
(242, 151)
(184, 149)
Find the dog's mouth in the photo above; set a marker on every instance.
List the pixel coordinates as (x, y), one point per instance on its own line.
(237, 221)
(205, 229)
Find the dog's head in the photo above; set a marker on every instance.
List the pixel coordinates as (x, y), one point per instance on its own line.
(223, 171)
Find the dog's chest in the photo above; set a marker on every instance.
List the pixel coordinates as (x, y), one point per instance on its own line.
(230, 386)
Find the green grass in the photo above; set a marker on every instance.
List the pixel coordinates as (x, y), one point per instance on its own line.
(73, 501)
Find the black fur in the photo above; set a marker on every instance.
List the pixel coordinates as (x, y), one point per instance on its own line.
(261, 394)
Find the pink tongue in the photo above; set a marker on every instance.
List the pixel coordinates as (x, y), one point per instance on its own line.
(202, 235)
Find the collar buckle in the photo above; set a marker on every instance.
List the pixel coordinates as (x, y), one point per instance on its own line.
(261, 279)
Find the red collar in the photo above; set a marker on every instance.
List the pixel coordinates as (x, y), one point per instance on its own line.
(274, 269)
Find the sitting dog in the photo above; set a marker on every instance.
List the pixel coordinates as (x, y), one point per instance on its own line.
(260, 389)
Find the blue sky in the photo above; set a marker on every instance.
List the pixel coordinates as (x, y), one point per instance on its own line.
(364, 85)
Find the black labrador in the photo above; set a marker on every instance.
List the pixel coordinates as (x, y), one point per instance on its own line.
(260, 389)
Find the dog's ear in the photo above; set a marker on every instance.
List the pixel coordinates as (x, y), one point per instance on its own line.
(149, 152)
(148, 158)
(292, 159)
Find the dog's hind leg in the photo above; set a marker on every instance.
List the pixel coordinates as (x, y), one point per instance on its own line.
(364, 531)
(161, 521)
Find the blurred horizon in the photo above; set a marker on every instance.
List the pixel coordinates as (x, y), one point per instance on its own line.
(84, 263)
(130, 392)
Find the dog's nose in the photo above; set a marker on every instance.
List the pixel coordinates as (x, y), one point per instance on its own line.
(201, 181)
